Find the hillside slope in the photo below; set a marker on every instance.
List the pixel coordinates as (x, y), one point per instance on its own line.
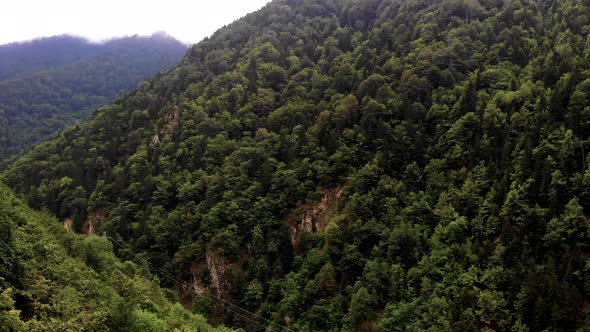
(24, 58)
(63, 79)
(54, 280)
(374, 165)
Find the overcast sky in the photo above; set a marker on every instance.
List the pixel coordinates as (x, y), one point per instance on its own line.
(189, 21)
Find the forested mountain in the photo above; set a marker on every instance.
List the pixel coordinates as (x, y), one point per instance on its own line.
(55, 81)
(369, 165)
(22, 58)
(54, 280)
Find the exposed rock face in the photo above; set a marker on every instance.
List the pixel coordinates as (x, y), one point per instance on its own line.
(156, 138)
(218, 265)
(94, 221)
(219, 286)
(172, 123)
(68, 224)
(313, 217)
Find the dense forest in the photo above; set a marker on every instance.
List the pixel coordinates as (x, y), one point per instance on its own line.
(338, 165)
(52, 82)
(25, 58)
(54, 280)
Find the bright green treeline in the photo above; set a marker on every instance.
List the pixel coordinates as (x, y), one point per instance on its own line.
(54, 280)
(361, 165)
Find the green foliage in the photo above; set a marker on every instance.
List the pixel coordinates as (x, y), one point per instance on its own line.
(386, 165)
(40, 95)
(9, 317)
(72, 282)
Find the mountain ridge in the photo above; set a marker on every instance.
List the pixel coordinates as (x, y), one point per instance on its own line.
(57, 51)
(36, 105)
(457, 131)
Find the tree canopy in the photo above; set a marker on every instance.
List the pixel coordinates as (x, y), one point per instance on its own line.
(50, 83)
(374, 165)
(54, 280)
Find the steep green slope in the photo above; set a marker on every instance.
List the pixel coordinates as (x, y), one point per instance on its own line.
(54, 280)
(34, 107)
(361, 165)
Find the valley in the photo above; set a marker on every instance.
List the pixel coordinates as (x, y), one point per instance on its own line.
(330, 165)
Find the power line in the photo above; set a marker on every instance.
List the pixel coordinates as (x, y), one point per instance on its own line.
(207, 293)
(186, 284)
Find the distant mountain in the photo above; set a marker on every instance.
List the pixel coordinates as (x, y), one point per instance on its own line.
(18, 59)
(56, 81)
